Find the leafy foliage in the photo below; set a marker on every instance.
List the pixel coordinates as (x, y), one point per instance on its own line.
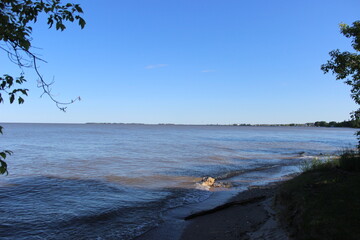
(16, 20)
(6, 83)
(349, 124)
(350, 160)
(347, 160)
(16, 16)
(346, 65)
(3, 155)
(321, 204)
(316, 164)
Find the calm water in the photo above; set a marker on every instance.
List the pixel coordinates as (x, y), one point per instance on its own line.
(116, 181)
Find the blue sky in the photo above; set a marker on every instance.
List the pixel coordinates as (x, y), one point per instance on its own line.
(192, 61)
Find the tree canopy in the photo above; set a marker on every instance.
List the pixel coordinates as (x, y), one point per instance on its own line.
(346, 65)
(17, 18)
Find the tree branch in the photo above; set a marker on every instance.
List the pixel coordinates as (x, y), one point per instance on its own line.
(47, 90)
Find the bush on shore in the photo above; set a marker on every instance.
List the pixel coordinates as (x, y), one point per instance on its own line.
(323, 201)
(348, 160)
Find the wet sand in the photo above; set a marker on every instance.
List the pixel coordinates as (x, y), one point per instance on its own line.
(249, 215)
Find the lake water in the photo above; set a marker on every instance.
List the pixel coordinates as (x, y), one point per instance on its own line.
(97, 181)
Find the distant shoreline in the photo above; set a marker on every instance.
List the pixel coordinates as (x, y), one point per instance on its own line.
(347, 124)
(221, 125)
(344, 124)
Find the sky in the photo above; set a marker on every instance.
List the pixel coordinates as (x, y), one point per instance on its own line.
(191, 62)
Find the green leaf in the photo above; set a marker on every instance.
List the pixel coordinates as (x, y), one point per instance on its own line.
(82, 22)
(24, 91)
(25, 44)
(21, 100)
(78, 8)
(50, 22)
(8, 152)
(3, 167)
(12, 98)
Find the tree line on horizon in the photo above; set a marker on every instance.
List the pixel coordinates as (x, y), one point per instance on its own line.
(355, 123)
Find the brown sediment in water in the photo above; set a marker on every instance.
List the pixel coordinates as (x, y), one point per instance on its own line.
(156, 181)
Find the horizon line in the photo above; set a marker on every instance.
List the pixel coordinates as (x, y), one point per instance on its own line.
(174, 124)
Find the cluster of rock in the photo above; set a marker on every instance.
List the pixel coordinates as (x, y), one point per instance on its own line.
(212, 182)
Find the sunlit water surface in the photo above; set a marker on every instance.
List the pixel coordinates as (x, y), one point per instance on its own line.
(92, 181)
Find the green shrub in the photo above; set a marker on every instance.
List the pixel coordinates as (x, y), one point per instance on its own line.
(350, 160)
(321, 204)
(319, 163)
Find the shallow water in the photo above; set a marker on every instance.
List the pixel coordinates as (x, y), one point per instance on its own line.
(92, 181)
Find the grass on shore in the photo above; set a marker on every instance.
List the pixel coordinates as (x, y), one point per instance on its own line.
(324, 201)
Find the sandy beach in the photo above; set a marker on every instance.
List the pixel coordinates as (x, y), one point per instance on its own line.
(249, 215)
